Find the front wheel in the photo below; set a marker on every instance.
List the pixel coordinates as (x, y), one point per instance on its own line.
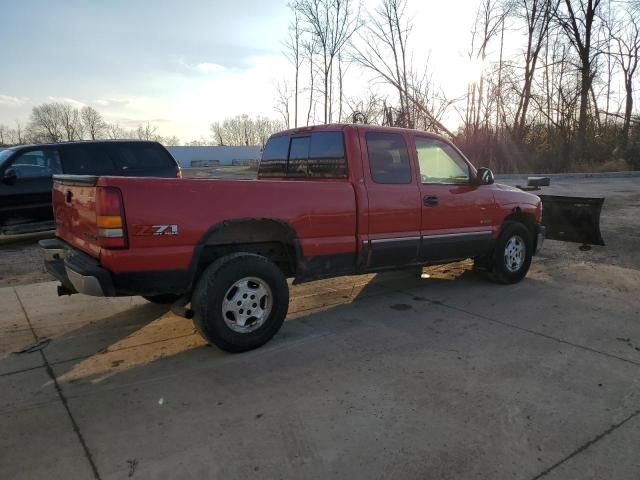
(512, 255)
(240, 302)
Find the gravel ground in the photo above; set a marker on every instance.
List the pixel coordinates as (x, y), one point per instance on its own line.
(21, 260)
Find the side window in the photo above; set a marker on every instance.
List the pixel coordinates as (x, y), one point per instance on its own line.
(87, 160)
(440, 163)
(140, 156)
(37, 164)
(274, 157)
(326, 155)
(388, 158)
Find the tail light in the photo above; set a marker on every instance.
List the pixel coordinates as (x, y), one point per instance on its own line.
(112, 232)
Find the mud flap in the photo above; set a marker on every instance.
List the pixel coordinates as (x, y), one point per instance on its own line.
(572, 219)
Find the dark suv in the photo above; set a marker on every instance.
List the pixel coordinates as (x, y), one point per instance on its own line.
(26, 171)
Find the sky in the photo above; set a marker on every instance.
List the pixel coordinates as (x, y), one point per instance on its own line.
(183, 65)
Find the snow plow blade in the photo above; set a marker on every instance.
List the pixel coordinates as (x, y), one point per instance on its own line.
(572, 219)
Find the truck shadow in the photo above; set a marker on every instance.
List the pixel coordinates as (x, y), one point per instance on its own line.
(147, 340)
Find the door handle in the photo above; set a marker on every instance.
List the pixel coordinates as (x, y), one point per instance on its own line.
(430, 201)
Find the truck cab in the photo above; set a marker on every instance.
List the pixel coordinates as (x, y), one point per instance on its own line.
(420, 200)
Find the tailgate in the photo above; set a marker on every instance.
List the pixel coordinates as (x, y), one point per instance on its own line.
(74, 209)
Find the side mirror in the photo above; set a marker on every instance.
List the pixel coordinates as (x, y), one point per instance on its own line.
(484, 176)
(10, 176)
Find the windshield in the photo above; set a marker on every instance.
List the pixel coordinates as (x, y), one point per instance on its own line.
(4, 154)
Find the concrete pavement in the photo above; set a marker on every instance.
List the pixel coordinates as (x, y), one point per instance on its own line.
(387, 376)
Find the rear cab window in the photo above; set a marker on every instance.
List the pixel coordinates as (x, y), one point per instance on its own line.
(313, 155)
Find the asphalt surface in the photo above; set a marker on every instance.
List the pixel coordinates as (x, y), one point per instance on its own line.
(377, 376)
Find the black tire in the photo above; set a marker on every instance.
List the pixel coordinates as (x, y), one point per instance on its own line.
(215, 282)
(501, 272)
(164, 299)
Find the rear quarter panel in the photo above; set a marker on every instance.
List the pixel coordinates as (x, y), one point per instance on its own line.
(322, 213)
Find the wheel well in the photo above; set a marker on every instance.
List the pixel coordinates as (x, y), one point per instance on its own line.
(270, 238)
(527, 219)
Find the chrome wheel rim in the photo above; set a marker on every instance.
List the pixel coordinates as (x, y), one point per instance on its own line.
(514, 253)
(247, 304)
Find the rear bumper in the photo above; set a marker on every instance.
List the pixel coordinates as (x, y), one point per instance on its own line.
(540, 236)
(77, 271)
(81, 273)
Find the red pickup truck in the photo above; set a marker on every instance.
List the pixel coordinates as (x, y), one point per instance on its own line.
(329, 200)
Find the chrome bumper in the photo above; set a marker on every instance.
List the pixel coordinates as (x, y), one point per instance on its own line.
(76, 271)
(87, 284)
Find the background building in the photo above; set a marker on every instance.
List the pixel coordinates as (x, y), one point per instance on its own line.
(215, 155)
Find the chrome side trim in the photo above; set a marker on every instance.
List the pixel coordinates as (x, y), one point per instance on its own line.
(424, 237)
(453, 235)
(395, 239)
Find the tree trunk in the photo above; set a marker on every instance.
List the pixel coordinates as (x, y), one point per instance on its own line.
(585, 87)
(311, 76)
(627, 114)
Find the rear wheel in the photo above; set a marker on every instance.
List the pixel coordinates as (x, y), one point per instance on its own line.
(164, 299)
(240, 302)
(512, 255)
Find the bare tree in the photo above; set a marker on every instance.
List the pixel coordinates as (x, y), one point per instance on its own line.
(93, 123)
(384, 50)
(70, 121)
(4, 135)
(310, 50)
(218, 133)
(626, 41)
(19, 135)
(115, 132)
(282, 102)
(244, 130)
(264, 128)
(332, 23)
(577, 20)
(171, 141)
(367, 110)
(294, 54)
(538, 15)
(489, 22)
(45, 122)
(147, 132)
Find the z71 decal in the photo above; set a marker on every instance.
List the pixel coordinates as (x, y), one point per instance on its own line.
(156, 230)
